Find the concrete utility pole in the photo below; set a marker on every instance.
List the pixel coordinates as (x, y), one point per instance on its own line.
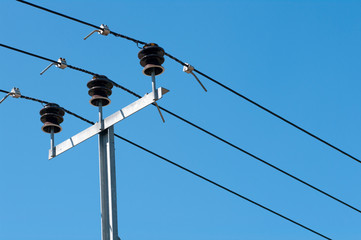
(105, 129)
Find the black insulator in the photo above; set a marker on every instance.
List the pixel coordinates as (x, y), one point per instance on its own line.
(100, 88)
(51, 116)
(151, 58)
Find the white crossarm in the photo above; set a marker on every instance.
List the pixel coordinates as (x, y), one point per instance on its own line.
(109, 121)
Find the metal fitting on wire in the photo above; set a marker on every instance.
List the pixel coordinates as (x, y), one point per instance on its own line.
(104, 30)
(189, 69)
(60, 64)
(15, 93)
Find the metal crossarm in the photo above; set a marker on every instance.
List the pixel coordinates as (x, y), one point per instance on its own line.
(107, 122)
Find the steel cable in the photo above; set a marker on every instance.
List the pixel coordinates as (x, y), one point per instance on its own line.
(188, 170)
(205, 131)
(206, 76)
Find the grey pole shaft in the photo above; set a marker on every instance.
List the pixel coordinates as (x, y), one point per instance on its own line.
(108, 195)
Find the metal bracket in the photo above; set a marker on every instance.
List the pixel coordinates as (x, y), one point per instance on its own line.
(104, 30)
(15, 93)
(107, 122)
(189, 69)
(60, 64)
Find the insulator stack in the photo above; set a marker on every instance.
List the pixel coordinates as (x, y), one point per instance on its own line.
(100, 88)
(151, 58)
(51, 116)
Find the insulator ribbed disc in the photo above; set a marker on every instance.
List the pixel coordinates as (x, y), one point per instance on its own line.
(47, 127)
(51, 116)
(100, 89)
(148, 69)
(151, 58)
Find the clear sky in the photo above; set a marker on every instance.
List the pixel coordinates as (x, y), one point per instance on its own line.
(301, 59)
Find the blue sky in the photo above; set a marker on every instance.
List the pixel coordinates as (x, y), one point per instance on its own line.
(301, 59)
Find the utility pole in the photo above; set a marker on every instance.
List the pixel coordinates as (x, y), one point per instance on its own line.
(100, 88)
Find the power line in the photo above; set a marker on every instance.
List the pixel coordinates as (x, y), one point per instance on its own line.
(3, 91)
(82, 70)
(47, 59)
(206, 76)
(45, 102)
(213, 135)
(28, 53)
(28, 98)
(220, 186)
(280, 117)
(189, 171)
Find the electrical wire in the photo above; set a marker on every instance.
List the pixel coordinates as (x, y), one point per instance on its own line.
(189, 171)
(28, 98)
(206, 76)
(3, 91)
(220, 186)
(45, 102)
(28, 53)
(214, 136)
(80, 21)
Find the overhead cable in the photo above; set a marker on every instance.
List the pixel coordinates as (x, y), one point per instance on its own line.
(220, 186)
(213, 135)
(193, 173)
(204, 75)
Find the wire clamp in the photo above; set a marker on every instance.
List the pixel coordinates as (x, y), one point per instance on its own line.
(60, 64)
(104, 30)
(15, 93)
(189, 69)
